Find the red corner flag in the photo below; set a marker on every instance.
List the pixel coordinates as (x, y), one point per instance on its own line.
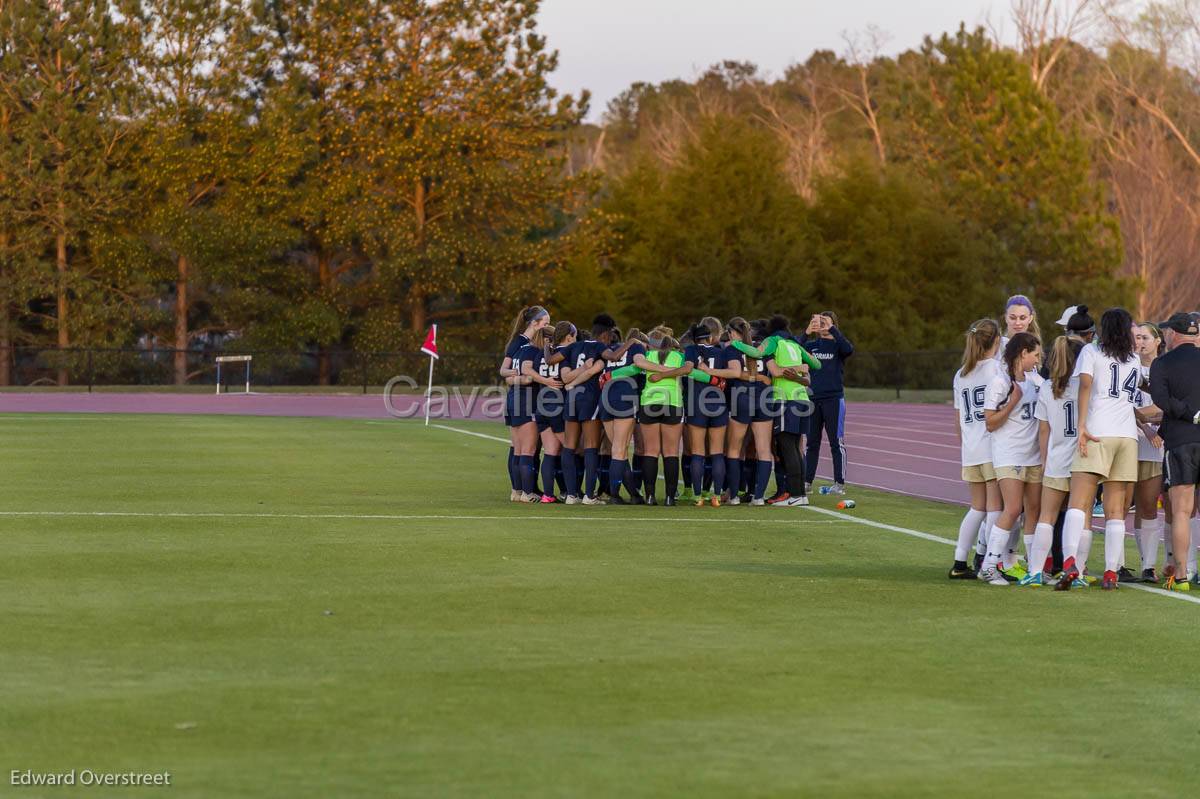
(430, 345)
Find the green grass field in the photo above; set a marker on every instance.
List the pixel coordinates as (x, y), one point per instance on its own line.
(317, 608)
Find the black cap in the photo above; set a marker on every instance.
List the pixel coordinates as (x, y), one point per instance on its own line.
(1182, 322)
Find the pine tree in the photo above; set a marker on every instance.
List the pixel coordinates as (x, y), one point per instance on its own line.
(67, 74)
(211, 176)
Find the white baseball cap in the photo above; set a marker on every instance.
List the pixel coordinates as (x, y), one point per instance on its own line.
(1067, 314)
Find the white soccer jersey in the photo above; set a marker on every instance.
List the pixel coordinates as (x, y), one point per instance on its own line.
(1062, 415)
(1146, 450)
(1015, 443)
(1114, 392)
(969, 394)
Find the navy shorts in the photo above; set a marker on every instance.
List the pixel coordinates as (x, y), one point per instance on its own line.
(751, 406)
(793, 417)
(583, 405)
(557, 423)
(708, 407)
(515, 414)
(619, 400)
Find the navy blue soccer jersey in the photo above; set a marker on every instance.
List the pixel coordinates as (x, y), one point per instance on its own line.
(514, 347)
(579, 353)
(635, 349)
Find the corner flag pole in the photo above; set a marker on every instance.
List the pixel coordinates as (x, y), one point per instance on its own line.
(430, 349)
(428, 391)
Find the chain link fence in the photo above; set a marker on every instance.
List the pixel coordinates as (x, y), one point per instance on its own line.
(31, 367)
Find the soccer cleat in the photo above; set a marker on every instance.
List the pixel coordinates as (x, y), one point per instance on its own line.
(531, 497)
(837, 489)
(1098, 511)
(716, 501)
(1110, 581)
(1089, 579)
(669, 501)
(992, 576)
(1124, 575)
(515, 496)
(1148, 576)
(734, 500)
(1068, 580)
(962, 574)
(793, 502)
(1033, 579)
(592, 501)
(782, 496)
(1182, 586)
(549, 500)
(571, 500)
(757, 502)
(1015, 573)
(650, 500)
(699, 502)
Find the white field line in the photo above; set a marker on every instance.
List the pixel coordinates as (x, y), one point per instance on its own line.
(387, 517)
(937, 539)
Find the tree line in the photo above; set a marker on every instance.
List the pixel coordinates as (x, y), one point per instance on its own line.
(334, 175)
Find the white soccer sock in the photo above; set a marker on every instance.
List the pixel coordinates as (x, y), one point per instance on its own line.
(1191, 559)
(1085, 548)
(985, 531)
(1114, 542)
(1027, 539)
(1011, 557)
(1148, 542)
(1073, 536)
(997, 544)
(1043, 539)
(968, 532)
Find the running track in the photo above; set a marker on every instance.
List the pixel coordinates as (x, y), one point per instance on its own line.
(909, 449)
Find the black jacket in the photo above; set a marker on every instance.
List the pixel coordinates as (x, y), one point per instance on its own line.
(1175, 388)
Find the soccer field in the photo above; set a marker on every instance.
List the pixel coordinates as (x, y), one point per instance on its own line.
(318, 607)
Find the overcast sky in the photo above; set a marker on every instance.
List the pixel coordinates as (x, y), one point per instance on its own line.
(605, 45)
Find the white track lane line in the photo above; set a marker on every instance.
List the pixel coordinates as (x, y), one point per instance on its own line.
(860, 434)
(895, 429)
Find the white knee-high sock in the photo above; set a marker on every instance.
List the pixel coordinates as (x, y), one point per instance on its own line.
(1191, 558)
(1010, 551)
(1114, 543)
(997, 545)
(968, 532)
(985, 531)
(1027, 539)
(1148, 542)
(1085, 548)
(1042, 539)
(1073, 537)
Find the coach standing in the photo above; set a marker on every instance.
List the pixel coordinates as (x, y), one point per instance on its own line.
(1175, 387)
(831, 348)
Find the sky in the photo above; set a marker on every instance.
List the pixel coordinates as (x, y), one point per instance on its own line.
(606, 45)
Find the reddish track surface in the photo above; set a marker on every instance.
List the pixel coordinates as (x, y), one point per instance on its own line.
(909, 449)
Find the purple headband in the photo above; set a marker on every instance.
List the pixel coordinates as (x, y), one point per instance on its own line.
(1019, 299)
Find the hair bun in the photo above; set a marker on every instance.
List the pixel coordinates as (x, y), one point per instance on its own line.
(1081, 309)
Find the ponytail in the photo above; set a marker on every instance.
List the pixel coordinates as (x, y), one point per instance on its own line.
(1061, 364)
(1017, 346)
(739, 330)
(524, 319)
(980, 339)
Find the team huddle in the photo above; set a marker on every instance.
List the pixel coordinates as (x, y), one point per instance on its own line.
(732, 402)
(1114, 410)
